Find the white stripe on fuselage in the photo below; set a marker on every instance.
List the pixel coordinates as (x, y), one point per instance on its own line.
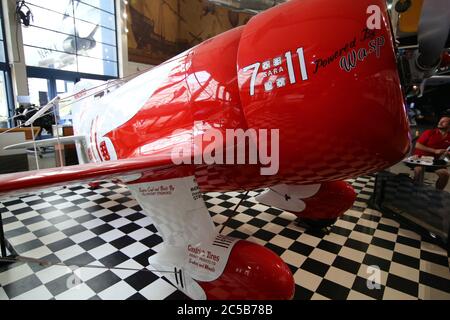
(101, 116)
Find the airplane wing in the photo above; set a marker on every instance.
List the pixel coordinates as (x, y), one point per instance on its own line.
(23, 182)
(195, 258)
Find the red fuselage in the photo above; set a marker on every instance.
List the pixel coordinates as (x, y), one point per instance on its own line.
(310, 69)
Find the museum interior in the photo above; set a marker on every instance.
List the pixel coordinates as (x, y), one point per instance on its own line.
(309, 160)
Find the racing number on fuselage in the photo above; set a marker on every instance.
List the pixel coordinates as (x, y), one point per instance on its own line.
(276, 64)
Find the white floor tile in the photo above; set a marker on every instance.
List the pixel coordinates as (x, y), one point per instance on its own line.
(156, 290)
(51, 273)
(69, 252)
(119, 291)
(134, 249)
(80, 292)
(83, 236)
(15, 274)
(102, 251)
(37, 253)
(3, 295)
(112, 235)
(39, 293)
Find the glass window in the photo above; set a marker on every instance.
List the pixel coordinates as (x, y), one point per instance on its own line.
(2, 52)
(95, 16)
(62, 86)
(76, 36)
(61, 6)
(4, 79)
(107, 5)
(2, 45)
(46, 58)
(4, 112)
(38, 89)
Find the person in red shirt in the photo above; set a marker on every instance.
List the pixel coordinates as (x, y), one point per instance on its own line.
(434, 143)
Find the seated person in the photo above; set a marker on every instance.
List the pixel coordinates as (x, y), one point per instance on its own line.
(434, 143)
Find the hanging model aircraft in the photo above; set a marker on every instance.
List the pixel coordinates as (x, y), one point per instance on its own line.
(301, 98)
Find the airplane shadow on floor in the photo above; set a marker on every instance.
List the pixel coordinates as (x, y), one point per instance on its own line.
(422, 207)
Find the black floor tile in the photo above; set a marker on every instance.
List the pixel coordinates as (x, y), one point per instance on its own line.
(435, 258)
(333, 290)
(22, 286)
(80, 260)
(406, 260)
(142, 258)
(178, 295)
(141, 279)
(264, 235)
(16, 232)
(315, 267)
(361, 286)
(387, 228)
(103, 281)
(234, 224)
(46, 231)
(92, 243)
(340, 231)
(136, 297)
(129, 228)
(74, 230)
(371, 260)
(408, 242)
(257, 222)
(329, 246)
(346, 264)
(301, 248)
(403, 285)
(291, 234)
(364, 229)
(21, 211)
(152, 240)
(110, 217)
(386, 244)
(434, 281)
(122, 242)
(60, 245)
(59, 285)
(135, 216)
(32, 220)
(238, 235)
(302, 293)
(278, 250)
(281, 222)
(70, 209)
(357, 245)
(114, 259)
(59, 219)
(27, 246)
(102, 229)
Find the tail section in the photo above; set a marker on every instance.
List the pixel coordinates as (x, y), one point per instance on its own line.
(327, 201)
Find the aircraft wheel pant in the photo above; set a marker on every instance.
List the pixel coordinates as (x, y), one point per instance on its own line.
(252, 272)
(330, 203)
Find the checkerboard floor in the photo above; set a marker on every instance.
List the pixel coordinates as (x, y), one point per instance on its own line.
(104, 241)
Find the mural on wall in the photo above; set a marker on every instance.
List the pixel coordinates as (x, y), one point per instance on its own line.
(160, 29)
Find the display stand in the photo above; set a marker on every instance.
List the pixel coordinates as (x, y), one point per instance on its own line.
(5, 247)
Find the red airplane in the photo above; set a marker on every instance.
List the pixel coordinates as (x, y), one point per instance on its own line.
(308, 80)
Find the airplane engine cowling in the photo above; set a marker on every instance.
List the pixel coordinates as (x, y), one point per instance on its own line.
(313, 70)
